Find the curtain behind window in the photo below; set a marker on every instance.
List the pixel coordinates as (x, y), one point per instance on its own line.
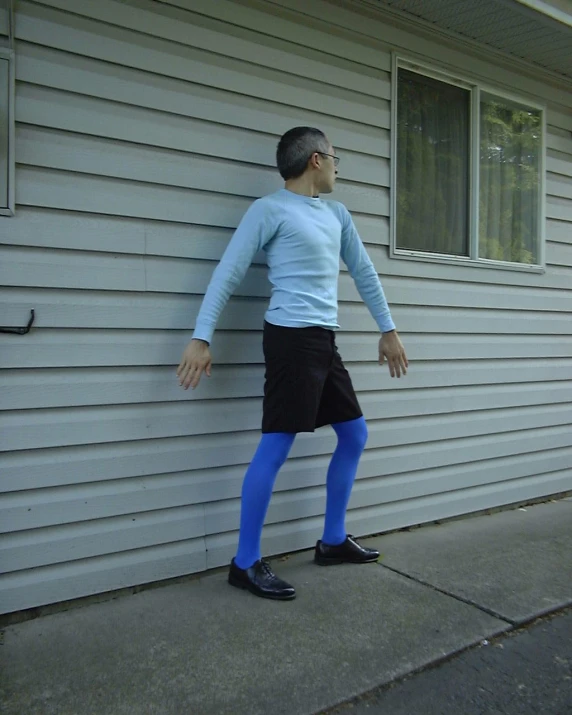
(433, 120)
(509, 182)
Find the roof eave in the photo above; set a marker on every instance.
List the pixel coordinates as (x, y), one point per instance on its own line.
(406, 21)
(549, 10)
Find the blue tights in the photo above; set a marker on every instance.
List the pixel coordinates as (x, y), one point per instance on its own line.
(260, 476)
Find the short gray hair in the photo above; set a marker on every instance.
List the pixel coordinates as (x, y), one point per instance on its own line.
(295, 149)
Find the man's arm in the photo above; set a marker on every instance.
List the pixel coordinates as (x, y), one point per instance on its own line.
(367, 282)
(252, 234)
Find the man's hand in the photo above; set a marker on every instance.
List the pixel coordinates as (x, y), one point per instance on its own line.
(196, 360)
(391, 349)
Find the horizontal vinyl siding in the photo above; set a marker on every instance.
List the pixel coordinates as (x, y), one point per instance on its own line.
(142, 136)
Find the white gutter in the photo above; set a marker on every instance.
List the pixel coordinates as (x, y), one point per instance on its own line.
(560, 14)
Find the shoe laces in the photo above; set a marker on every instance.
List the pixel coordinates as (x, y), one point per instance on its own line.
(266, 567)
(267, 570)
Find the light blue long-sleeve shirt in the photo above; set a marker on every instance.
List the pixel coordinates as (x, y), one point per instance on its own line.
(303, 238)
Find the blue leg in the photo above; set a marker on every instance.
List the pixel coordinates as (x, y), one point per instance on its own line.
(352, 437)
(257, 488)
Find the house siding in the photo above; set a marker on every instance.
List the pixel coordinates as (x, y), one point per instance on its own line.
(143, 132)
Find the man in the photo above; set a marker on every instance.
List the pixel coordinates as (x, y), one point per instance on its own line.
(306, 384)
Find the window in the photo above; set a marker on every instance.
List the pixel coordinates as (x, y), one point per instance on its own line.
(468, 172)
(6, 113)
(5, 11)
(4, 127)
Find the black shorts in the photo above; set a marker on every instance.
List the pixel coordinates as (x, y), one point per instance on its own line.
(307, 385)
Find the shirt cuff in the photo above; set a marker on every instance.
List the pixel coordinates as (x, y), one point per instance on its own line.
(203, 332)
(385, 323)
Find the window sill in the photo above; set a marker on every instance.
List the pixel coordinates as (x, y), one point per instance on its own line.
(465, 261)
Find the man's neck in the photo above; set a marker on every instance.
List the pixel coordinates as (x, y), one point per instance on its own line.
(303, 186)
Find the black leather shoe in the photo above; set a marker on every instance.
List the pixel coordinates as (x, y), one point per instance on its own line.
(261, 581)
(349, 552)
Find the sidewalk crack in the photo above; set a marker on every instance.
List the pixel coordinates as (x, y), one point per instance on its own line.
(467, 601)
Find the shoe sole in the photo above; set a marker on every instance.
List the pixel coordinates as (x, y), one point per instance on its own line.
(245, 587)
(336, 562)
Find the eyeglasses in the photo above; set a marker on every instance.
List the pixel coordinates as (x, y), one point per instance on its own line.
(334, 157)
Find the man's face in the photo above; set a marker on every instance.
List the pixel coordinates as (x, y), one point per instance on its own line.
(329, 172)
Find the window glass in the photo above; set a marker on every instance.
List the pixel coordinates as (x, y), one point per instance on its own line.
(509, 195)
(433, 120)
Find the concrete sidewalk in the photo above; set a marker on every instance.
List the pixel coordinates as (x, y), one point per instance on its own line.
(204, 648)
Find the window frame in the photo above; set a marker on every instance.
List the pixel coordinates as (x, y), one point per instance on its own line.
(475, 87)
(7, 55)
